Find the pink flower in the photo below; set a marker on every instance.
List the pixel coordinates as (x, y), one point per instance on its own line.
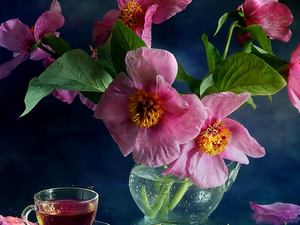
(138, 15)
(100, 30)
(65, 95)
(272, 16)
(219, 138)
(286, 211)
(19, 38)
(144, 114)
(10, 220)
(293, 83)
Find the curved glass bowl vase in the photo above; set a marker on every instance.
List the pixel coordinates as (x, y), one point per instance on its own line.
(170, 200)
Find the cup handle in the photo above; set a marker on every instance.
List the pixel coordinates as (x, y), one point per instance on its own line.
(26, 212)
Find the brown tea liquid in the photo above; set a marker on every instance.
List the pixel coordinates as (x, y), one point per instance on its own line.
(66, 212)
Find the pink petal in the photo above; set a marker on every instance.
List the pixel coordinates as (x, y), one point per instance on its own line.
(65, 95)
(149, 62)
(293, 86)
(250, 5)
(189, 125)
(11, 220)
(55, 7)
(179, 167)
(207, 171)
(88, 103)
(6, 68)
(113, 103)
(241, 139)
(159, 145)
(241, 38)
(155, 147)
(113, 110)
(166, 9)
(48, 61)
(15, 36)
(278, 209)
(295, 58)
(146, 32)
(234, 154)
(47, 22)
(274, 18)
(100, 29)
(124, 133)
(39, 54)
(224, 103)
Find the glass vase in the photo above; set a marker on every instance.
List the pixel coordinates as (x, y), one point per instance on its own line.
(170, 200)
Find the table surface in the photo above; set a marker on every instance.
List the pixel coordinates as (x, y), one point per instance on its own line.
(63, 145)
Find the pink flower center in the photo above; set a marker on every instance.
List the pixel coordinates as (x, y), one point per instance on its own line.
(214, 139)
(132, 14)
(145, 109)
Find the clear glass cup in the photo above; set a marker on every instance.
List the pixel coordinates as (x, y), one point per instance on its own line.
(63, 205)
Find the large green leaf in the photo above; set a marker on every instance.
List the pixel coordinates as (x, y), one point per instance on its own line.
(245, 72)
(123, 40)
(36, 91)
(76, 70)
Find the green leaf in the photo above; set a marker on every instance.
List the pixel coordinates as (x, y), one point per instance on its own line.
(209, 91)
(245, 72)
(192, 82)
(104, 57)
(258, 33)
(251, 102)
(221, 21)
(207, 86)
(237, 14)
(274, 61)
(76, 70)
(36, 91)
(59, 45)
(123, 40)
(212, 54)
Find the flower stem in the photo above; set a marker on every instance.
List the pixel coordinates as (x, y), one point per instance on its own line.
(229, 35)
(54, 54)
(163, 194)
(179, 194)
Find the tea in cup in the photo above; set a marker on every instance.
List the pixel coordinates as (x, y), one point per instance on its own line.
(64, 205)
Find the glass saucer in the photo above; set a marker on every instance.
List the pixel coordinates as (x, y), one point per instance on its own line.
(97, 222)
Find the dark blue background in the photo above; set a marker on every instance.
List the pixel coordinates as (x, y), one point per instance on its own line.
(63, 145)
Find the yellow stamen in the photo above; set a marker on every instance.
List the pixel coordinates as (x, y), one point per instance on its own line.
(214, 139)
(32, 30)
(132, 15)
(94, 52)
(145, 109)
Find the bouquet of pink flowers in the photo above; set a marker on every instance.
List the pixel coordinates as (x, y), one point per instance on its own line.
(128, 84)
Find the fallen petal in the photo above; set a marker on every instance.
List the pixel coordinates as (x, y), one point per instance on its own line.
(278, 209)
(11, 220)
(274, 220)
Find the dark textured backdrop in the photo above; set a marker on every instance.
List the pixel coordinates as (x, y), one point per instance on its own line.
(63, 145)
